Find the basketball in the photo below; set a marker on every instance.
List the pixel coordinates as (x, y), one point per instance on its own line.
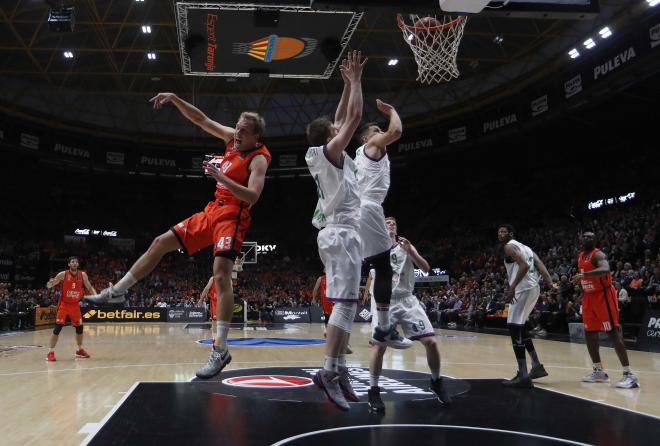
(425, 29)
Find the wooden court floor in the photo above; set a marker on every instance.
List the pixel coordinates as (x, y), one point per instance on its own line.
(55, 403)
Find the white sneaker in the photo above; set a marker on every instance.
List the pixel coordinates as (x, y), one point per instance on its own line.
(629, 381)
(107, 296)
(597, 376)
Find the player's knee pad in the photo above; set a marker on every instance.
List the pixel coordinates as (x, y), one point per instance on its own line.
(79, 329)
(383, 279)
(57, 329)
(516, 332)
(343, 314)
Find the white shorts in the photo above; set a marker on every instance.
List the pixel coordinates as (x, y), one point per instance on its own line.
(525, 302)
(339, 249)
(409, 314)
(373, 231)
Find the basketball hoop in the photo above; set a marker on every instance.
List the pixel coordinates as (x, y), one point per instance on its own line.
(434, 41)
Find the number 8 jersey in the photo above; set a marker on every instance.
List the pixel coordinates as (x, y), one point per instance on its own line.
(336, 187)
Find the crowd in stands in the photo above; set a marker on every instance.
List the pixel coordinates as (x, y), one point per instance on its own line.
(474, 296)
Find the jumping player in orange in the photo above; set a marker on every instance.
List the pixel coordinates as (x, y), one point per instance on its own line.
(239, 177)
(600, 311)
(74, 281)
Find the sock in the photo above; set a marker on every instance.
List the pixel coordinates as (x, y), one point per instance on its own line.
(125, 283)
(330, 364)
(373, 380)
(435, 374)
(519, 350)
(598, 366)
(383, 315)
(221, 331)
(341, 361)
(626, 369)
(51, 350)
(80, 347)
(532, 352)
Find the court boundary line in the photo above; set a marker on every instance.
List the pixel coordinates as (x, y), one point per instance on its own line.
(98, 426)
(434, 426)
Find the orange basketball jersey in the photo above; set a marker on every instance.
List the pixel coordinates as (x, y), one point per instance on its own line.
(72, 288)
(592, 284)
(235, 165)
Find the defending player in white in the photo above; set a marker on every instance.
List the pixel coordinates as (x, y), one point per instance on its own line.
(406, 311)
(522, 267)
(337, 216)
(374, 181)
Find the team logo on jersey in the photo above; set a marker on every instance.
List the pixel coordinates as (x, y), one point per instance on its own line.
(268, 381)
(273, 47)
(226, 166)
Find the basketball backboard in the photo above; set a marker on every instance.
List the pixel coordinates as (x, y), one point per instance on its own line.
(240, 40)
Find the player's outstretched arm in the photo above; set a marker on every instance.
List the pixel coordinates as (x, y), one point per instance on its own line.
(252, 192)
(353, 72)
(380, 141)
(540, 267)
(86, 283)
(194, 115)
(340, 114)
(55, 280)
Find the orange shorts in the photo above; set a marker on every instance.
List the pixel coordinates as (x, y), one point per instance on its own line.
(213, 305)
(600, 310)
(220, 226)
(72, 311)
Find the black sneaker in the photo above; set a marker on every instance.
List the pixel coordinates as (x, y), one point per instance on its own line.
(389, 337)
(537, 371)
(438, 388)
(519, 382)
(375, 402)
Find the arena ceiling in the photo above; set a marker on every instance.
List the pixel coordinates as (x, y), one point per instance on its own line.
(109, 79)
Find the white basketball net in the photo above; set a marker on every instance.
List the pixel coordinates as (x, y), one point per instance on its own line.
(434, 45)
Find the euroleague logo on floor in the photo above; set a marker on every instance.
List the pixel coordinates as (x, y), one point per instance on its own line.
(296, 384)
(268, 381)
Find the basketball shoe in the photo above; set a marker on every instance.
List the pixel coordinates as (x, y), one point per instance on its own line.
(51, 357)
(390, 337)
(82, 354)
(519, 382)
(629, 381)
(107, 296)
(537, 371)
(375, 402)
(345, 385)
(216, 362)
(437, 387)
(597, 376)
(329, 382)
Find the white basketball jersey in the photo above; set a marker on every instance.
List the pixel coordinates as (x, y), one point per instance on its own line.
(531, 279)
(404, 270)
(373, 176)
(336, 188)
(403, 274)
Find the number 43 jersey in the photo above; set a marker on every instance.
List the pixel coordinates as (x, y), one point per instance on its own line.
(336, 187)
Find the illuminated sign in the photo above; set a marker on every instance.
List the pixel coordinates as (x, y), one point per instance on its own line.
(95, 232)
(597, 204)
